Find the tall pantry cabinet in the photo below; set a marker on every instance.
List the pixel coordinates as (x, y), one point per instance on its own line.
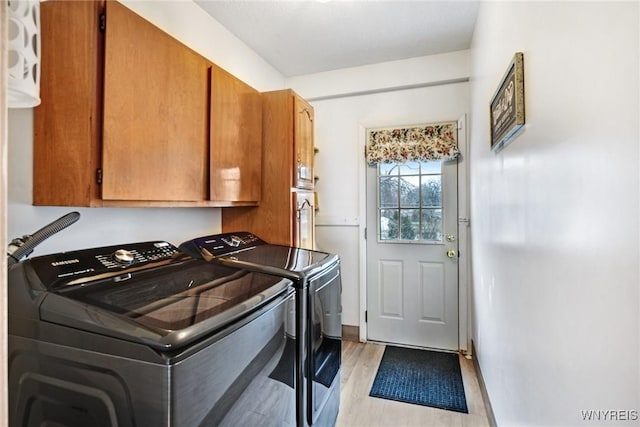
(286, 212)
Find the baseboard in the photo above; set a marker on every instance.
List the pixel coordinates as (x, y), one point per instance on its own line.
(351, 333)
(483, 389)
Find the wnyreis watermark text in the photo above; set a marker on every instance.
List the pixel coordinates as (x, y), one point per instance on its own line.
(610, 414)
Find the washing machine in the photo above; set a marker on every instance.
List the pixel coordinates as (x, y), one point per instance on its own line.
(141, 334)
(318, 311)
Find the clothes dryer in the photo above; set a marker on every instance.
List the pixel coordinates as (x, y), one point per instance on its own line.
(317, 279)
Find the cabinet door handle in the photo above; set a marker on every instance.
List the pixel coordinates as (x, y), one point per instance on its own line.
(302, 205)
(308, 113)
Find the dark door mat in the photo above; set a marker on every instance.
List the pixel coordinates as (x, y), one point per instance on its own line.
(423, 377)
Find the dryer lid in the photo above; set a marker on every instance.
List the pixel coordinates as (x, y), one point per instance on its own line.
(245, 250)
(295, 263)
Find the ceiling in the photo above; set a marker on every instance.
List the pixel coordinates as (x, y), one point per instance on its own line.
(310, 36)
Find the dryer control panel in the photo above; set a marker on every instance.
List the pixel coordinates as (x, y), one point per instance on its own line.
(209, 247)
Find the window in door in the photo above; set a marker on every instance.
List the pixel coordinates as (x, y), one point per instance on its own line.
(410, 202)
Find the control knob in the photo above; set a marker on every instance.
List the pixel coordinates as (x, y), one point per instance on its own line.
(233, 241)
(123, 256)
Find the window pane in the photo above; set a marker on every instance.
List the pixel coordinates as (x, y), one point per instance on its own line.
(431, 226)
(410, 201)
(431, 190)
(433, 167)
(388, 192)
(409, 224)
(409, 168)
(388, 224)
(387, 169)
(410, 191)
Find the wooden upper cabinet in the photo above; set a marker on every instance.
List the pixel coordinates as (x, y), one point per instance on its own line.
(155, 119)
(236, 139)
(67, 123)
(303, 140)
(132, 117)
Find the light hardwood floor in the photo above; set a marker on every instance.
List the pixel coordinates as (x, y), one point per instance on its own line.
(357, 409)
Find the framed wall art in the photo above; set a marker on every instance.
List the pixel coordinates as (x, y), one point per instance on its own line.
(507, 105)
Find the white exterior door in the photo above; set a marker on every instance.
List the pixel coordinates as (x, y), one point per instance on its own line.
(412, 254)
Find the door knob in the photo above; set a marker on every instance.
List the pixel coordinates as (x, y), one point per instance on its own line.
(451, 253)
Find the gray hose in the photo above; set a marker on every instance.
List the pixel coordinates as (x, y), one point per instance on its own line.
(22, 247)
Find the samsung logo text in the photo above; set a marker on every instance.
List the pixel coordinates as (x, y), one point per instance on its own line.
(65, 262)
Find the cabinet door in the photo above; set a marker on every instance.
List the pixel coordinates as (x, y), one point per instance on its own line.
(236, 139)
(155, 117)
(303, 141)
(66, 153)
(305, 219)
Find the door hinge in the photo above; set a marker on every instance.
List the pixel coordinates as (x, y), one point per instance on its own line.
(103, 22)
(365, 233)
(99, 175)
(366, 316)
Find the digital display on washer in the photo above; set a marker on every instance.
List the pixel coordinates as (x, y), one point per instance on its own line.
(180, 296)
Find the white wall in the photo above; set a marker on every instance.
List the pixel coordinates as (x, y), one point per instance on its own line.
(104, 226)
(555, 214)
(338, 123)
(385, 76)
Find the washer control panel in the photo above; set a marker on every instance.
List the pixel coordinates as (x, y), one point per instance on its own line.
(65, 267)
(136, 254)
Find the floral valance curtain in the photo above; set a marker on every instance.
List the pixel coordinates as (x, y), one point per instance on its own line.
(438, 141)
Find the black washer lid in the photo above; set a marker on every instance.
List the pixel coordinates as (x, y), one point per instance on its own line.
(165, 304)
